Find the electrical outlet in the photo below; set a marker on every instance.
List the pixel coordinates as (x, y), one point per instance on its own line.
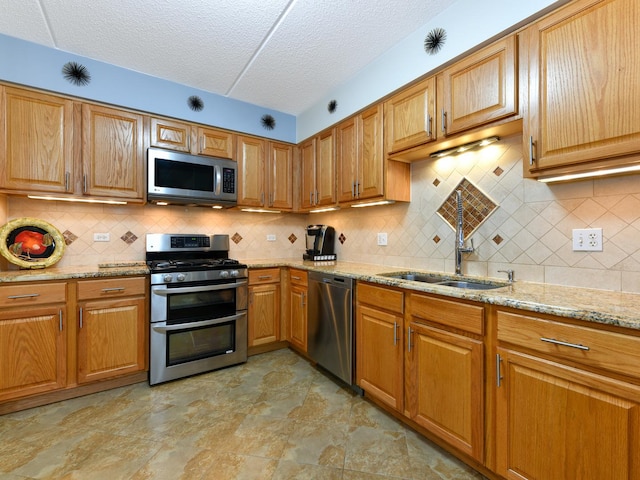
(101, 237)
(382, 238)
(271, 238)
(587, 239)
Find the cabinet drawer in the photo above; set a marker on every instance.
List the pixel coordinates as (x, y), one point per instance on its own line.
(32, 294)
(385, 298)
(446, 312)
(264, 275)
(597, 348)
(112, 287)
(298, 277)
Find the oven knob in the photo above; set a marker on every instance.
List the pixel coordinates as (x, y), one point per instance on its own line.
(224, 274)
(167, 279)
(181, 277)
(235, 273)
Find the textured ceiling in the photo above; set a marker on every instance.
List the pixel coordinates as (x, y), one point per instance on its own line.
(281, 54)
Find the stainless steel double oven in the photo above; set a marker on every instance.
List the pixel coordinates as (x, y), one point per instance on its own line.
(198, 306)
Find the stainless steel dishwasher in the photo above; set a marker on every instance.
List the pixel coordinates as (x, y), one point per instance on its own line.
(330, 336)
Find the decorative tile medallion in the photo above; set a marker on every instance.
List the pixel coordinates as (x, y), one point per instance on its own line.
(128, 238)
(476, 207)
(436, 182)
(436, 239)
(498, 171)
(237, 238)
(292, 238)
(342, 238)
(69, 237)
(498, 239)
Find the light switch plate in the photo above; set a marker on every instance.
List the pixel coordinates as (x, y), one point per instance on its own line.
(101, 237)
(382, 238)
(271, 238)
(587, 239)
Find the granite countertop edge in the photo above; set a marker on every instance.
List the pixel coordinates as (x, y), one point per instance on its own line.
(597, 306)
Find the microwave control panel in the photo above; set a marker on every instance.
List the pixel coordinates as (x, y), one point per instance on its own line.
(228, 180)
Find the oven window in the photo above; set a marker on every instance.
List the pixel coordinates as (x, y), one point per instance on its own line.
(187, 176)
(202, 342)
(200, 305)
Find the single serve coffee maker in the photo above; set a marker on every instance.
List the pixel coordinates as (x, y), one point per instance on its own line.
(320, 243)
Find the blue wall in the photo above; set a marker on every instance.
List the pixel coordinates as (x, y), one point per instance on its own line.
(33, 65)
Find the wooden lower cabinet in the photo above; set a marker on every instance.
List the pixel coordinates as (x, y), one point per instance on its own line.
(298, 291)
(33, 351)
(379, 344)
(556, 421)
(445, 376)
(264, 306)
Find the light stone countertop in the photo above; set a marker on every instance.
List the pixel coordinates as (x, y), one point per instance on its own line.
(598, 306)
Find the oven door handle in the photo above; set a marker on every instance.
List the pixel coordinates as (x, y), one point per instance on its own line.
(203, 323)
(204, 288)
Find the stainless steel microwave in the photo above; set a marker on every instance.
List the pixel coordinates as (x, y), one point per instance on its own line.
(180, 178)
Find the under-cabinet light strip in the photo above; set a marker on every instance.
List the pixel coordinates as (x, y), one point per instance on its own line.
(594, 173)
(77, 200)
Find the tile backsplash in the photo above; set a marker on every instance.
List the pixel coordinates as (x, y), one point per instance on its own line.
(529, 231)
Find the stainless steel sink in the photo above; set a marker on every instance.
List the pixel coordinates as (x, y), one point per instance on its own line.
(470, 285)
(444, 281)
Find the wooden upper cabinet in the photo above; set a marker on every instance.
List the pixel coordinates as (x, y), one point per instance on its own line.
(583, 86)
(216, 143)
(113, 152)
(170, 134)
(307, 173)
(360, 156)
(409, 116)
(36, 144)
(479, 89)
(326, 169)
(251, 167)
(280, 176)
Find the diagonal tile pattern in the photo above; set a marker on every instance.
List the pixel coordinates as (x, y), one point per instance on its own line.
(273, 418)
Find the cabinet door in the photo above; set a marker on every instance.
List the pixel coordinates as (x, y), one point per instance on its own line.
(33, 351)
(347, 139)
(479, 89)
(379, 365)
(112, 152)
(298, 324)
(556, 421)
(326, 169)
(445, 378)
(264, 314)
(409, 117)
(583, 85)
(370, 182)
(216, 143)
(280, 176)
(308, 174)
(251, 168)
(170, 134)
(36, 143)
(112, 338)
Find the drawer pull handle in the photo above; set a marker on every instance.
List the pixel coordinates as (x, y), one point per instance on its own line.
(26, 295)
(113, 290)
(564, 344)
(295, 278)
(264, 277)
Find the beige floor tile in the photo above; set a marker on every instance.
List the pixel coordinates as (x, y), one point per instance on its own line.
(275, 417)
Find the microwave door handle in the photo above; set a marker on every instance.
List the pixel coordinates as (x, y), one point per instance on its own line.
(204, 323)
(217, 187)
(205, 288)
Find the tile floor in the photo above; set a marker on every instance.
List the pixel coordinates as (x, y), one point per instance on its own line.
(275, 417)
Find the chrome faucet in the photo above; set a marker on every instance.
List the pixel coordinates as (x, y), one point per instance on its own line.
(460, 248)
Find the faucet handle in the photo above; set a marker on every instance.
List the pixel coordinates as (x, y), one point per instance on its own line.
(509, 274)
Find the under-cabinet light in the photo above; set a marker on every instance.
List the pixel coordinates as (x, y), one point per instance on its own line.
(77, 200)
(463, 148)
(594, 173)
(325, 209)
(373, 204)
(259, 210)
